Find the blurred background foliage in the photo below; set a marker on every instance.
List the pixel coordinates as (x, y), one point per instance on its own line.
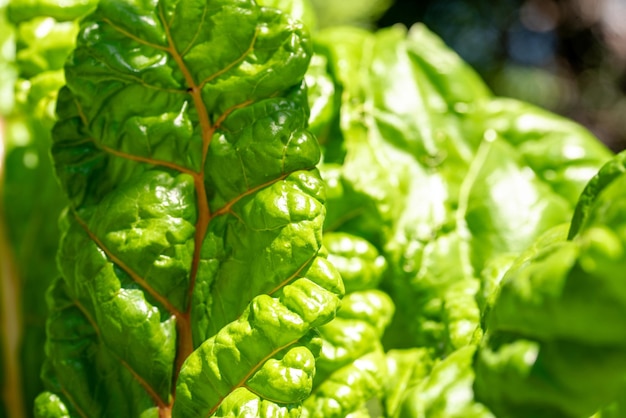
(568, 56)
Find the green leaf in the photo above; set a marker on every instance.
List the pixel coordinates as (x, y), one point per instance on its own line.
(322, 98)
(7, 62)
(102, 382)
(300, 10)
(607, 174)
(351, 367)
(23, 10)
(422, 165)
(615, 409)
(192, 243)
(501, 222)
(553, 333)
(447, 391)
(347, 389)
(359, 262)
(457, 82)
(406, 369)
(48, 405)
(563, 154)
(43, 45)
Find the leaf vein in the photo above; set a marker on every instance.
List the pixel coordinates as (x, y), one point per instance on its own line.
(195, 35)
(146, 160)
(131, 273)
(294, 276)
(133, 36)
(228, 205)
(232, 64)
(252, 371)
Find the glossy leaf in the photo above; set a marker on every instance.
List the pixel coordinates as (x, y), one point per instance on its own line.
(351, 366)
(192, 244)
(561, 153)
(349, 12)
(300, 10)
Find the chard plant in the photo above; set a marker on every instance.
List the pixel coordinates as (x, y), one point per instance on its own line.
(191, 269)
(265, 219)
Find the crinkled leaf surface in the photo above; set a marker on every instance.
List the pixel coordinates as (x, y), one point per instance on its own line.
(352, 360)
(300, 10)
(190, 254)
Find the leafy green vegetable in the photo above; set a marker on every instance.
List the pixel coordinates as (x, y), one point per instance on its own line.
(352, 359)
(300, 10)
(406, 369)
(447, 391)
(192, 273)
(551, 332)
(423, 164)
(607, 174)
(10, 386)
(452, 185)
(195, 279)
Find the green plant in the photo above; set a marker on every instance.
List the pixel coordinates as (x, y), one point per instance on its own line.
(36, 39)
(209, 269)
(190, 253)
(454, 187)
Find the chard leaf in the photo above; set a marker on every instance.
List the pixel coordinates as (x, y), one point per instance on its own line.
(561, 153)
(191, 249)
(607, 174)
(321, 96)
(301, 10)
(553, 332)
(25, 10)
(352, 359)
(446, 391)
(77, 354)
(405, 368)
(347, 390)
(423, 165)
(500, 222)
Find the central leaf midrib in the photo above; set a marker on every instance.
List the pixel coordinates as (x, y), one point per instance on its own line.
(127, 269)
(185, 344)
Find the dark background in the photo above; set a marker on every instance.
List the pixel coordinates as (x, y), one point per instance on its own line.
(565, 55)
